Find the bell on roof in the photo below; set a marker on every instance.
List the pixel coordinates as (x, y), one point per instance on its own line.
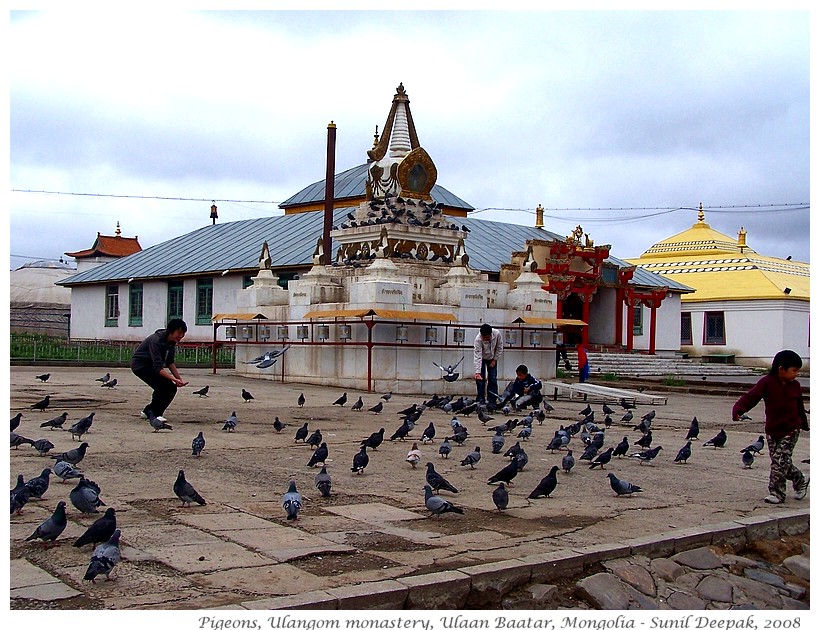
(214, 215)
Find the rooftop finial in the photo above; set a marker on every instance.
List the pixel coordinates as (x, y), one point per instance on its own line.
(539, 216)
(701, 216)
(118, 232)
(376, 137)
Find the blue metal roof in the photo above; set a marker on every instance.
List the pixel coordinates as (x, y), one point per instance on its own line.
(350, 184)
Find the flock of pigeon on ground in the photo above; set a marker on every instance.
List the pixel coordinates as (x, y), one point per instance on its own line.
(584, 435)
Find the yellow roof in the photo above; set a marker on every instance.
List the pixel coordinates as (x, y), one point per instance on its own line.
(721, 268)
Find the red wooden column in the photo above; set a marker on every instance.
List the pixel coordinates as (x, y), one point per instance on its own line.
(653, 302)
(624, 276)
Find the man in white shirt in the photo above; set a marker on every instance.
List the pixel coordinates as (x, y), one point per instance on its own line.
(487, 350)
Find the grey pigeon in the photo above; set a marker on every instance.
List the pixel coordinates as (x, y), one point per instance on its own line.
(525, 433)
(301, 400)
(55, 423)
(202, 392)
(375, 439)
(590, 452)
(43, 377)
(323, 482)
(246, 395)
(158, 423)
(357, 406)
(104, 379)
(449, 373)
(649, 416)
(42, 404)
(387, 396)
(567, 462)
(472, 459)
(230, 423)
(719, 441)
(546, 485)
(755, 446)
(301, 433)
(19, 440)
(627, 417)
(498, 441)
(278, 425)
(319, 455)
(104, 558)
(79, 428)
(186, 492)
(64, 471)
(647, 455)
(15, 421)
(197, 444)
(603, 459)
(748, 458)
(436, 481)
(266, 363)
(360, 461)
(521, 458)
(445, 448)
(484, 417)
(622, 487)
(684, 453)
(42, 446)
(694, 429)
(315, 439)
(437, 505)
(501, 497)
(52, 527)
(292, 501)
(506, 474)
(341, 400)
(377, 408)
(85, 496)
(110, 384)
(38, 485)
(99, 531)
(19, 495)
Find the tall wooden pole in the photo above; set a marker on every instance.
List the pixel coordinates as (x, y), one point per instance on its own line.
(329, 191)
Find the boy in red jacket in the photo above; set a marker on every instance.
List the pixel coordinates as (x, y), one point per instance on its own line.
(785, 417)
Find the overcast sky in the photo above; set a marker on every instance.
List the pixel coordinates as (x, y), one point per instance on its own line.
(573, 110)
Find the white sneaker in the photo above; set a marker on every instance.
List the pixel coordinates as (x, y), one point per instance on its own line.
(774, 500)
(161, 419)
(801, 490)
(143, 415)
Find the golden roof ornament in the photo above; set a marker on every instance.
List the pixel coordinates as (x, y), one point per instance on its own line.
(701, 215)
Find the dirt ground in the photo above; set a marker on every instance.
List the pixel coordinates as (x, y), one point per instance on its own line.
(239, 546)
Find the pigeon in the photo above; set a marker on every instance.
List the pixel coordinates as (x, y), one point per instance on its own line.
(429, 433)
(548, 407)
(54, 423)
(360, 461)
(449, 373)
(319, 455)
(484, 417)
(246, 395)
(158, 423)
(585, 412)
(623, 402)
(52, 527)
(643, 426)
(621, 486)
(15, 421)
(104, 379)
(743, 416)
(445, 449)
(472, 459)
(17, 440)
(546, 485)
(590, 452)
(43, 377)
(748, 458)
(65, 471)
(197, 444)
(301, 400)
(501, 497)
(19, 495)
(110, 384)
(567, 462)
(621, 448)
(315, 439)
(301, 433)
(292, 501)
(377, 408)
(185, 491)
(409, 411)
(278, 425)
(755, 446)
(99, 531)
(341, 400)
(684, 453)
(607, 411)
(694, 429)
(648, 455)
(608, 421)
(230, 423)
(357, 406)
(73, 456)
(649, 417)
(506, 474)
(603, 459)
(719, 441)
(42, 404)
(646, 440)
(202, 392)
(401, 432)
(267, 362)
(85, 496)
(498, 441)
(104, 558)
(525, 433)
(437, 482)
(323, 482)
(79, 428)
(375, 439)
(627, 417)
(438, 505)
(387, 396)
(42, 446)
(459, 436)
(414, 455)
(38, 485)
(521, 458)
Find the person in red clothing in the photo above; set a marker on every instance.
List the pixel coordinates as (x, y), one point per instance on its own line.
(583, 364)
(785, 417)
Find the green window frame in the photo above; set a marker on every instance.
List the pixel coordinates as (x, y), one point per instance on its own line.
(112, 305)
(135, 304)
(175, 299)
(204, 301)
(637, 320)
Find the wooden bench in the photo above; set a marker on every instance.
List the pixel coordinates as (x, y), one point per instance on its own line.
(718, 358)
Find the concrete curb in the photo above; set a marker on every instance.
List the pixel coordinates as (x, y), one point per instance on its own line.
(488, 583)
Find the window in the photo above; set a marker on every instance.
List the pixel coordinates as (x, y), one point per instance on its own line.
(686, 329)
(112, 305)
(714, 329)
(175, 299)
(204, 301)
(247, 281)
(135, 304)
(637, 320)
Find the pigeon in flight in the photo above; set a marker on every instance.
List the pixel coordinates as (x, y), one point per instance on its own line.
(158, 422)
(104, 558)
(301, 400)
(301, 433)
(357, 406)
(42, 404)
(186, 492)
(341, 400)
(501, 497)
(648, 455)
(292, 501)
(414, 455)
(546, 485)
(85, 496)
(64, 471)
(622, 487)
(755, 446)
(318, 456)
(52, 527)
(73, 456)
(472, 459)
(198, 444)
(719, 441)
(438, 482)
(684, 453)
(567, 462)
(54, 423)
(445, 448)
(360, 461)
(377, 408)
(449, 373)
(506, 474)
(99, 531)
(230, 423)
(202, 392)
(694, 429)
(104, 379)
(110, 384)
(748, 458)
(278, 425)
(436, 504)
(42, 446)
(323, 482)
(374, 440)
(246, 395)
(603, 459)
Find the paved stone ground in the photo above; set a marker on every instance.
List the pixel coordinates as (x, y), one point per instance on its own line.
(239, 549)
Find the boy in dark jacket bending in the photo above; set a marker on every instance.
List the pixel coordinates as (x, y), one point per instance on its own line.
(153, 362)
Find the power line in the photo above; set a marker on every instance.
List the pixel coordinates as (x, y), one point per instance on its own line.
(82, 194)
